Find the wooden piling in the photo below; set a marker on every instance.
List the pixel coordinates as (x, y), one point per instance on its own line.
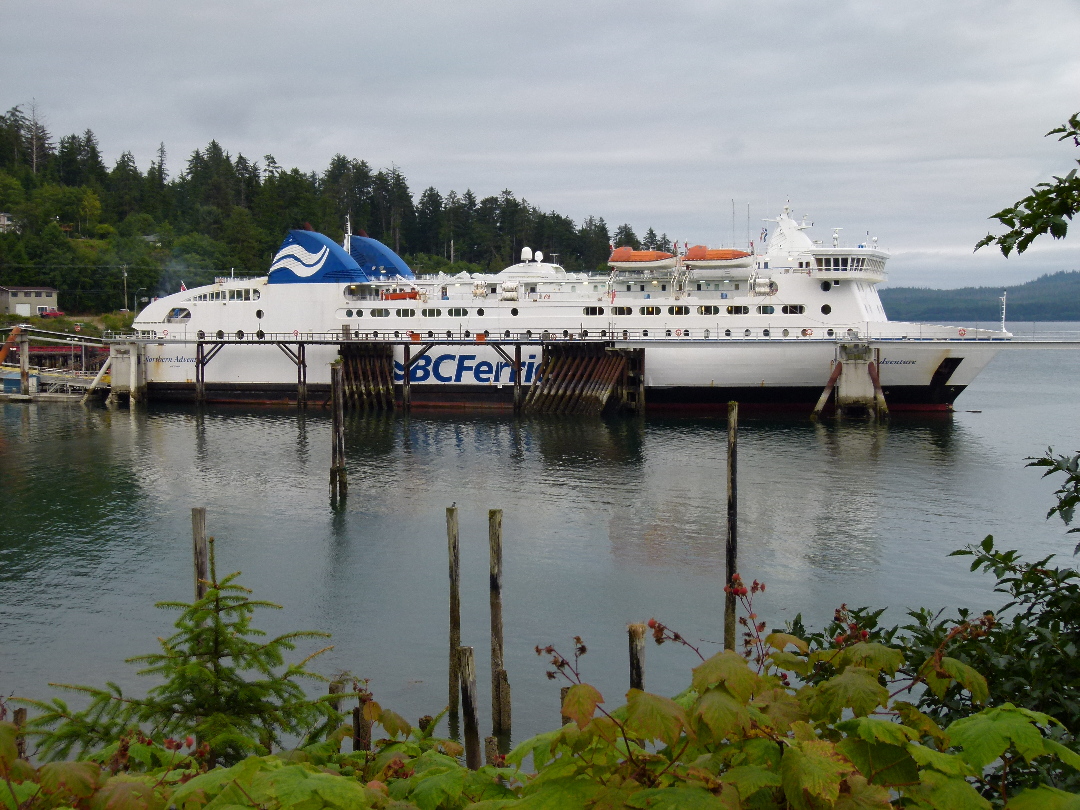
(454, 549)
(406, 387)
(732, 562)
(19, 717)
(562, 699)
(361, 740)
(301, 375)
(336, 688)
(200, 550)
(339, 481)
(491, 750)
(500, 684)
(636, 633)
(467, 664)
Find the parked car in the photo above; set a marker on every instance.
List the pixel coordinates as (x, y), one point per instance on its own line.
(51, 313)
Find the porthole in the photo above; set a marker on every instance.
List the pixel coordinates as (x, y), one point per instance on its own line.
(667, 333)
(261, 335)
(239, 334)
(626, 334)
(506, 334)
(584, 333)
(348, 313)
(603, 333)
(727, 333)
(746, 333)
(786, 333)
(449, 334)
(825, 309)
(765, 332)
(513, 311)
(467, 333)
(706, 334)
(258, 313)
(565, 333)
(397, 334)
(826, 286)
(202, 335)
(644, 332)
(487, 334)
(830, 333)
(374, 334)
(220, 334)
(431, 334)
(480, 312)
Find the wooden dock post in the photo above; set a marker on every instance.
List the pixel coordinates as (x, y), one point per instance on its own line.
(500, 684)
(491, 750)
(301, 375)
(24, 362)
(454, 549)
(339, 481)
(732, 557)
(467, 664)
(201, 551)
(636, 633)
(361, 739)
(562, 699)
(19, 717)
(336, 688)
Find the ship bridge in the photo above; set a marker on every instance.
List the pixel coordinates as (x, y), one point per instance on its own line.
(836, 264)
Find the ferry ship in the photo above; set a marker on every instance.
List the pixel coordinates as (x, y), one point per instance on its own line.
(763, 328)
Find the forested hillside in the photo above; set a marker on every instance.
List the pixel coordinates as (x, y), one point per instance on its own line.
(81, 224)
(1053, 297)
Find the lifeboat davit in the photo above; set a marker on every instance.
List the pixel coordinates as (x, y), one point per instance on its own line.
(627, 258)
(724, 263)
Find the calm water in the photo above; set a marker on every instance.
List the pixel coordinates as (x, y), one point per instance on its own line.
(605, 523)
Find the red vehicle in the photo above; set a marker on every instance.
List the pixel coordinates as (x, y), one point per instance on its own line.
(51, 313)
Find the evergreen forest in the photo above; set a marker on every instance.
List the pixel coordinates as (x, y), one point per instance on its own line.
(82, 227)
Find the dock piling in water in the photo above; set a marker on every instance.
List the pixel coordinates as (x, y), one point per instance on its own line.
(454, 553)
(339, 482)
(201, 550)
(467, 665)
(500, 684)
(636, 633)
(732, 551)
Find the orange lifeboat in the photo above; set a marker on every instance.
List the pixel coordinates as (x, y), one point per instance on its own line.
(700, 253)
(627, 257)
(718, 264)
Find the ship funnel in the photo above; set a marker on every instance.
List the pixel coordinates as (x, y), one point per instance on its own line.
(526, 254)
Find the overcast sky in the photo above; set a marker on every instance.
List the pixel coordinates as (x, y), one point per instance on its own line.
(913, 121)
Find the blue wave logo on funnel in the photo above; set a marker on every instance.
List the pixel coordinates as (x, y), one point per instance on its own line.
(307, 257)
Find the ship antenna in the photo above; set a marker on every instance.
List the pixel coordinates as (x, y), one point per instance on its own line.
(1004, 293)
(348, 231)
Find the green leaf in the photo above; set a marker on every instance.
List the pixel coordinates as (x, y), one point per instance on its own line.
(730, 669)
(812, 769)
(78, 779)
(9, 752)
(1044, 797)
(431, 792)
(780, 708)
(24, 791)
(560, 794)
(880, 762)
(722, 713)
(394, 723)
(539, 747)
(749, 779)
(778, 641)
(1066, 755)
(948, 764)
(874, 729)
(791, 662)
(653, 717)
(874, 656)
(985, 736)
(855, 688)
(921, 723)
(580, 703)
(675, 798)
(125, 792)
(861, 795)
(943, 792)
(967, 678)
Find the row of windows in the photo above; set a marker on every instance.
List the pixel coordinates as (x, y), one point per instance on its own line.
(27, 294)
(228, 295)
(461, 312)
(849, 263)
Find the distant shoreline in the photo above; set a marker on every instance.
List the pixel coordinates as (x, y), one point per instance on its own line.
(1054, 297)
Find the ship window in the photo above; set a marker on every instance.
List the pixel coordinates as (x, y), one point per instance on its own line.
(663, 287)
(514, 311)
(708, 310)
(457, 312)
(431, 313)
(359, 313)
(765, 332)
(830, 333)
(766, 310)
(255, 295)
(352, 292)
(622, 310)
(737, 310)
(258, 313)
(593, 311)
(596, 288)
(678, 310)
(843, 262)
(480, 312)
(178, 315)
(642, 288)
(699, 286)
(406, 313)
(649, 311)
(793, 309)
(380, 313)
(494, 288)
(826, 286)
(629, 287)
(727, 333)
(348, 313)
(825, 309)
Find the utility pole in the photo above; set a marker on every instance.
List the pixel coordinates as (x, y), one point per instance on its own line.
(125, 289)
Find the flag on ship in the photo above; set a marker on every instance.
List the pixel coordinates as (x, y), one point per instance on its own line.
(183, 286)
